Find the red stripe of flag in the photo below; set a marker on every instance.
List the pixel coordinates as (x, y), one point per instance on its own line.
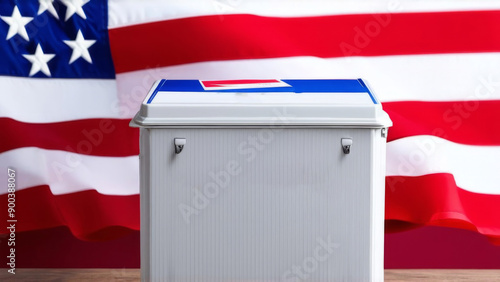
(432, 199)
(85, 213)
(435, 199)
(98, 137)
(462, 122)
(190, 40)
(466, 122)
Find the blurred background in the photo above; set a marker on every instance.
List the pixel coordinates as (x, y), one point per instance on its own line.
(73, 74)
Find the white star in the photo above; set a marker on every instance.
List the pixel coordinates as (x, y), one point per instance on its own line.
(17, 24)
(39, 61)
(47, 5)
(80, 48)
(75, 6)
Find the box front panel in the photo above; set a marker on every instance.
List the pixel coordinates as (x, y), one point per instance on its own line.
(268, 204)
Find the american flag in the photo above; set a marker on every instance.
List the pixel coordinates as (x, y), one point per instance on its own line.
(73, 73)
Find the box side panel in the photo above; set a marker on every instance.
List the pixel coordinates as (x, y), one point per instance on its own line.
(144, 160)
(377, 212)
(266, 204)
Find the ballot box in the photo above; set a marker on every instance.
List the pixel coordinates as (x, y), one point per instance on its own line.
(262, 180)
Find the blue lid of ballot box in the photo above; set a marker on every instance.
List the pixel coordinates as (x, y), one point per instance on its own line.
(344, 102)
(264, 85)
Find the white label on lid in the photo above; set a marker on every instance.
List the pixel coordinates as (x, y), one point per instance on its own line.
(242, 84)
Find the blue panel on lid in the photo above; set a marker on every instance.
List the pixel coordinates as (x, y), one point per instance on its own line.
(295, 85)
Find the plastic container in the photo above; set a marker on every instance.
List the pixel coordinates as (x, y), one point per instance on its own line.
(262, 180)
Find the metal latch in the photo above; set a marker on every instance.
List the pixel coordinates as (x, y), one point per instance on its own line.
(384, 132)
(179, 144)
(346, 145)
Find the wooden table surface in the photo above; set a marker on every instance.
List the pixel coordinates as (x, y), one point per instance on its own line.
(95, 275)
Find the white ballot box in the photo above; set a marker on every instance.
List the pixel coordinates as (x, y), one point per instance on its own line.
(262, 180)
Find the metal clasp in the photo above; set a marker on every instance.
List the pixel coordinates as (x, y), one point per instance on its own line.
(384, 132)
(346, 145)
(179, 144)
